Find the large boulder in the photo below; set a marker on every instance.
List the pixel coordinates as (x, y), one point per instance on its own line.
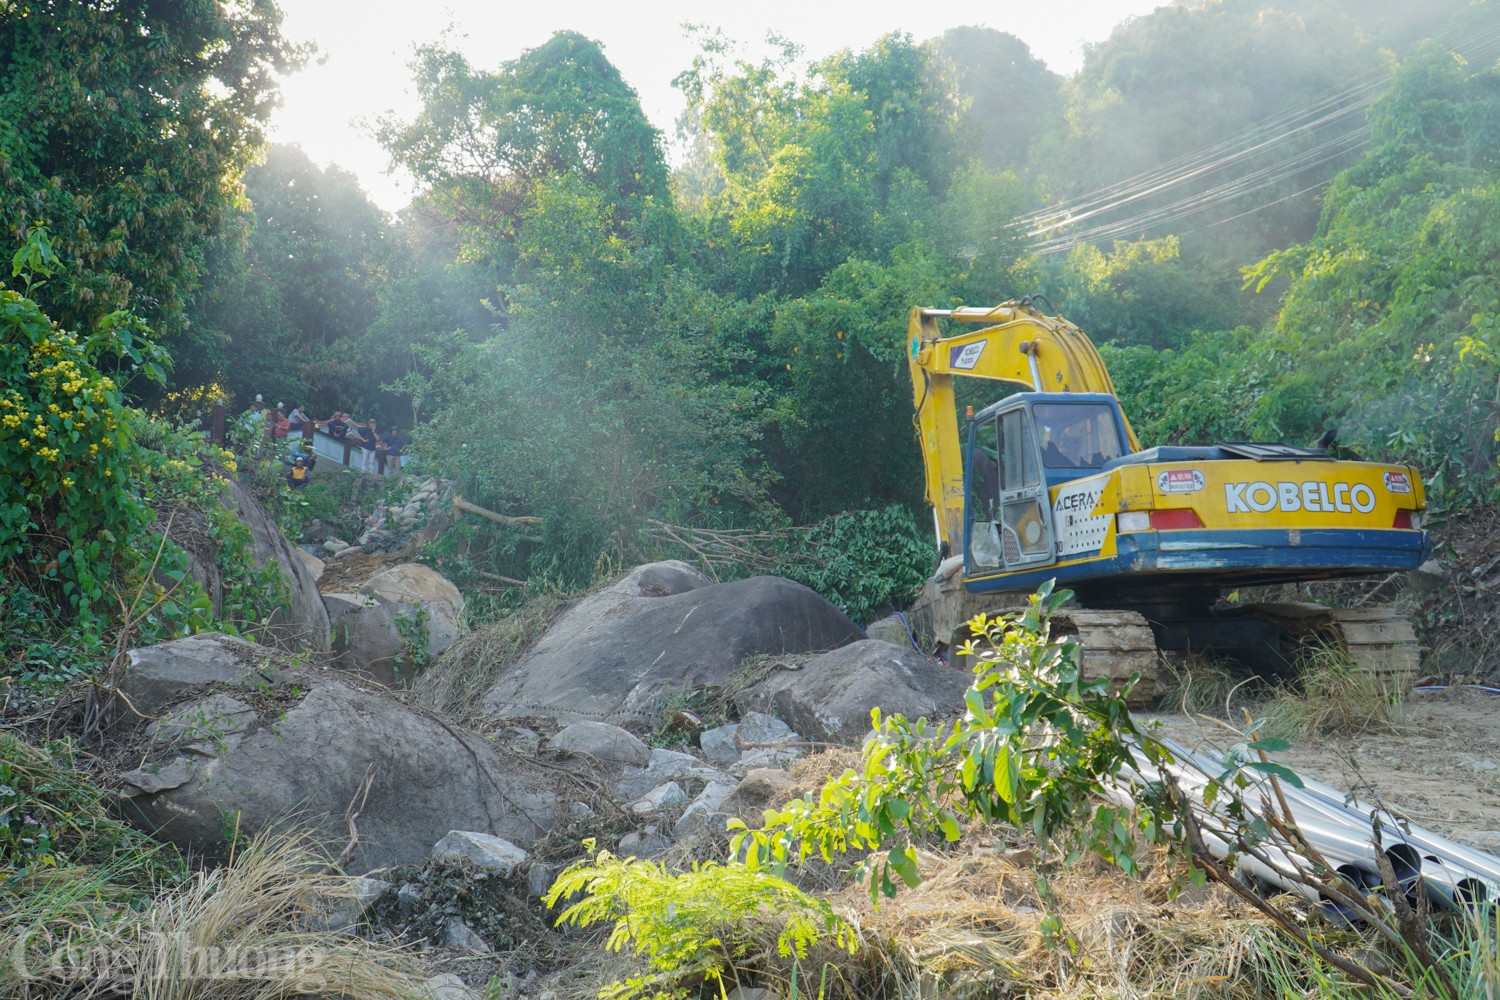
(413, 583)
(402, 619)
(662, 630)
(158, 674)
(389, 643)
(302, 624)
(321, 750)
(831, 695)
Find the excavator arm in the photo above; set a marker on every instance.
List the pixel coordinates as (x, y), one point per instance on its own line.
(1013, 343)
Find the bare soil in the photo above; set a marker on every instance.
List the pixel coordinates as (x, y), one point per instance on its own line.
(1441, 768)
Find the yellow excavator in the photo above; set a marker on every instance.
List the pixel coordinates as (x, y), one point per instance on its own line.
(1050, 483)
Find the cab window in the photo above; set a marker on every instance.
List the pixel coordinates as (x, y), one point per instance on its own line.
(1018, 468)
(1077, 435)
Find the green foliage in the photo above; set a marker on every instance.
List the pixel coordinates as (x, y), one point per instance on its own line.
(51, 815)
(1035, 742)
(288, 306)
(862, 560)
(123, 128)
(698, 928)
(68, 513)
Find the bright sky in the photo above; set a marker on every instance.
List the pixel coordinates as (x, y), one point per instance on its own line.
(364, 47)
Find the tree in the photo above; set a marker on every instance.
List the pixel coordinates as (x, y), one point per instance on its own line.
(484, 141)
(286, 302)
(124, 127)
(1010, 97)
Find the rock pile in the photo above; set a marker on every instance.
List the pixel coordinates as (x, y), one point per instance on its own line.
(390, 526)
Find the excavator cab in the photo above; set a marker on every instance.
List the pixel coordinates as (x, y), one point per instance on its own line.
(1018, 450)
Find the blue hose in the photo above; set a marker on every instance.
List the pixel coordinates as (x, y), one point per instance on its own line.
(1444, 687)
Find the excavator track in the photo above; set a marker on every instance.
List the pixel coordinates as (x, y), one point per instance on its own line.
(1270, 638)
(1379, 640)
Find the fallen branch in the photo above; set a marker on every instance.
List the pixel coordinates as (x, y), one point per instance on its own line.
(459, 503)
(499, 579)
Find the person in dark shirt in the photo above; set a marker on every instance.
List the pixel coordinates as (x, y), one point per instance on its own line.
(369, 440)
(393, 443)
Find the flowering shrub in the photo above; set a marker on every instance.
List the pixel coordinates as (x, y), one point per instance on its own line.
(68, 512)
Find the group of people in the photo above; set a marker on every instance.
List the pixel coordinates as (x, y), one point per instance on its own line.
(380, 452)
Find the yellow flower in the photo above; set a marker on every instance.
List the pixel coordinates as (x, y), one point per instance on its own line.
(53, 408)
(11, 420)
(67, 482)
(93, 449)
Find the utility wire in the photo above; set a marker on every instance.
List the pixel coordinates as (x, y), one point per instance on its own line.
(1331, 110)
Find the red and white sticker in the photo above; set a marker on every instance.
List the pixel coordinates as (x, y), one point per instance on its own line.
(1180, 481)
(1397, 482)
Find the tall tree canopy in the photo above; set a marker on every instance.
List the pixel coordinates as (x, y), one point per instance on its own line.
(124, 127)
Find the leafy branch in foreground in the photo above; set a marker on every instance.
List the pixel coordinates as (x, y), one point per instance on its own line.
(1034, 743)
(699, 925)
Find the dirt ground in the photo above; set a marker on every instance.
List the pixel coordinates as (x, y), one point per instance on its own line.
(1441, 769)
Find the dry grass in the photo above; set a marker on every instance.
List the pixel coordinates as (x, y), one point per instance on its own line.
(454, 686)
(248, 931)
(975, 928)
(1333, 696)
(1198, 684)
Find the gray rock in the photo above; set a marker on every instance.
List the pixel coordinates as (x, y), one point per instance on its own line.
(519, 739)
(664, 765)
(889, 629)
(618, 653)
(602, 741)
(762, 757)
(644, 843)
(212, 725)
(333, 546)
(760, 727)
(703, 810)
(351, 550)
(830, 698)
(342, 603)
(719, 745)
(463, 937)
(408, 900)
(391, 643)
(449, 986)
(539, 878)
(659, 799)
(750, 993)
(310, 562)
(157, 674)
(303, 769)
(302, 624)
(153, 779)
(347, 910)
(1430, 576)
(413, 583)
(493, 854)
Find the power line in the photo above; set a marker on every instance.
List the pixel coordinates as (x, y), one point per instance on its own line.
(1331, 110)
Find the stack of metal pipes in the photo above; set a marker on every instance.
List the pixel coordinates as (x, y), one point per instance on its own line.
(1340, 830)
